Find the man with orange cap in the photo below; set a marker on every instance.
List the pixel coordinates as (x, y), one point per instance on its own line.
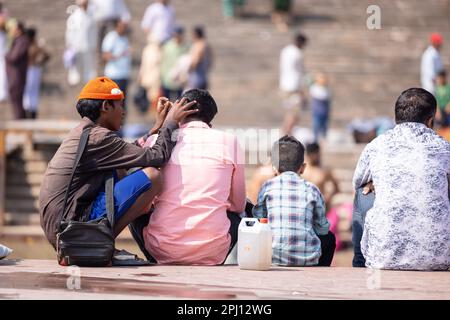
(100, 104)
(431, 63)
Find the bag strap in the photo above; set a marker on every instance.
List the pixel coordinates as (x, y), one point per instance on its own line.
(109, 195)
(81, 146)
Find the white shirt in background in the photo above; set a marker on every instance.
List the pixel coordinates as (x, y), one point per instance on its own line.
(160, 20)
(291, 69)
(81, 31)
(109, 9)
(431, 65)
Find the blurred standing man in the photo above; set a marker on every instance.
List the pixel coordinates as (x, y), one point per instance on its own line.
(292, 72)
(37, 58)
(431, 63)
(201, 60)
(171, 53)
(159, 20)
(106, 14)
(117, 54)
(16, 69)
(81, 39)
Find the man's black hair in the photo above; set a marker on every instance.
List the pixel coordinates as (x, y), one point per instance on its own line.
(415, 105)
(31, 33)
(312, 148)
(199, 32)
(90, 108)
(288, 154)
(300, 39)
(207, 108)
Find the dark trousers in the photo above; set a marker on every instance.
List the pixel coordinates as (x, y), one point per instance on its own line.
(16, 92)
(361, 204)
(328, 246)
(320, 125)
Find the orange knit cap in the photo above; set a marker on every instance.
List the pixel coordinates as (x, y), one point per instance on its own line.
(101, 88)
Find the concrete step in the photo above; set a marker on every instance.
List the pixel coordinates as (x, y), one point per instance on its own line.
(20, 179)
(26, 167)
(25, 205)
(13, 193)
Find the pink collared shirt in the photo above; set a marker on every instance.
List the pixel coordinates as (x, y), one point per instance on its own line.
(202, 180)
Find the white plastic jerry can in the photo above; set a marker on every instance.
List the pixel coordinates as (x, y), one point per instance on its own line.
(254, 244)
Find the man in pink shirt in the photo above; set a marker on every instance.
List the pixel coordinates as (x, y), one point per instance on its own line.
(196, 215)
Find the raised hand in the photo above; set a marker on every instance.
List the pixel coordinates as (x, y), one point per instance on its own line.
(180, 110)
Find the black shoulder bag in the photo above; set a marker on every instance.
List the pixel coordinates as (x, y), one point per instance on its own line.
(86, 244)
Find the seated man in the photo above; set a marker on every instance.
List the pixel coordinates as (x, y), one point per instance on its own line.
(100, 104)
(202, 183)
(408, 226)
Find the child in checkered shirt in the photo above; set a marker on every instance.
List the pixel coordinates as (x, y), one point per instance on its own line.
(295, 209)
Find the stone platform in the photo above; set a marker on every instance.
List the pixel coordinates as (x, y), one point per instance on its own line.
(44, 279)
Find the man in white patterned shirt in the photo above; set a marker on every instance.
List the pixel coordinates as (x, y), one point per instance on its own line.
(408, 227)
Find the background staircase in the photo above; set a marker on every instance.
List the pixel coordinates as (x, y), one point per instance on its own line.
(367, 69)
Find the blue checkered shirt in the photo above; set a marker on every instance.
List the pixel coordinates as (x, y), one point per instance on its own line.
(296, 212)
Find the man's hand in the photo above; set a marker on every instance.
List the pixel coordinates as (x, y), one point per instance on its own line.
(180, 110)
(162, 109)
(368, 188)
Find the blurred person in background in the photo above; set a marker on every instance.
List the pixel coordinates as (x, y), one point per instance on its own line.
(431, 63)
(81, 42)
(232, 8)
(281, 14)
(16, 68)
(159, 20)
(201, 60)
(106, 14)
(171, 53)
(292, 86)
(37, 58)
(320, 96)
(150, 70)
(321, 177)
(443, 99)
(116, 51)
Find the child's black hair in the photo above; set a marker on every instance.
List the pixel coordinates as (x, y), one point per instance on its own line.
(288, 154)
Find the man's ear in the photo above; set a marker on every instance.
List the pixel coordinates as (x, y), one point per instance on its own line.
(302, 168)
(106, 106)
(430, 123)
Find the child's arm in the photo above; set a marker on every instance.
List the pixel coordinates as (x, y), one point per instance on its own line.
(260, 209)
(320, 223)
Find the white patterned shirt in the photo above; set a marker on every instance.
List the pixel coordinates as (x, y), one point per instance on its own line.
(408, 227)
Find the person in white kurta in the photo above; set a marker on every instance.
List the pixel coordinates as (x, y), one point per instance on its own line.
(81, 39)
(431, 63)
(159, 21)
(292, 73)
